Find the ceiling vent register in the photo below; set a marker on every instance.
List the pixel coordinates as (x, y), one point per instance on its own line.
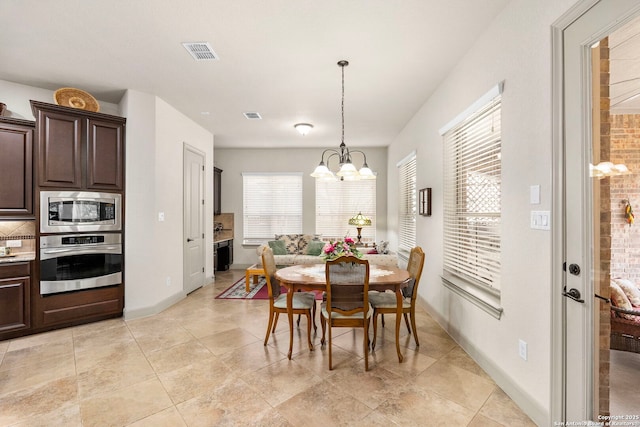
(200, 51)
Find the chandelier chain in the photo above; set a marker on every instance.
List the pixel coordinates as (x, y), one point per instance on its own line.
(342, 104)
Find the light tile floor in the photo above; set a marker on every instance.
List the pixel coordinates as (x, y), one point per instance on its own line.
(202, 362)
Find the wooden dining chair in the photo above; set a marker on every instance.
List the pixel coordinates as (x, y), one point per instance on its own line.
(303, 302)
(347, 303)
(387, 303)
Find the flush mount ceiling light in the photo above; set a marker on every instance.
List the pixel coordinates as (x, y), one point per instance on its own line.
(347, 170)
(303, 128)
(200, 51)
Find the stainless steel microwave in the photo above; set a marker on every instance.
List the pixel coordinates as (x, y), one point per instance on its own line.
(78, 211)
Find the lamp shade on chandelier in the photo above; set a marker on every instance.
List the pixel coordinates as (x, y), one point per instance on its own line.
(343, 156)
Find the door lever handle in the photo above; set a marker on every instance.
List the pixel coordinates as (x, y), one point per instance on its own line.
(189, 240)
(574, 294)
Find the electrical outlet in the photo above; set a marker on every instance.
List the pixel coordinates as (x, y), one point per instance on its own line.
(160, 216)
(168, 280)
(14, 243)
(522, 349)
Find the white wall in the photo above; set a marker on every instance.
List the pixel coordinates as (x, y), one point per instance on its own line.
(17, 97)
(235, 161)
(516, 48)
(156, 134)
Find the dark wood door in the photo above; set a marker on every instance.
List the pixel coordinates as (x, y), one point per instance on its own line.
(59, 149)
(105, 155)
(217, 191)
(16, 164)
(14, 298)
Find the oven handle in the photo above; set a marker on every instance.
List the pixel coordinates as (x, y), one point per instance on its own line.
(54, 253)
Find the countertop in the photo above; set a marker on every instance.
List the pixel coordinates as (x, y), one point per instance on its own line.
(221, 239)
(19, 257)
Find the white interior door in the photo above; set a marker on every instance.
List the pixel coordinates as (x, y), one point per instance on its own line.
(578, 306)
(194, 240)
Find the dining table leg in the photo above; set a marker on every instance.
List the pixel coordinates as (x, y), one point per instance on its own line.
(398, 318)
(290, 316)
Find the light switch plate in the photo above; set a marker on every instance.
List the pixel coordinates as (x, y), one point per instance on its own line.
(534, 195)
(541, 220)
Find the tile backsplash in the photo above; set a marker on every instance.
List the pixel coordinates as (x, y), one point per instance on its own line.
(25, 231)
(14, 230)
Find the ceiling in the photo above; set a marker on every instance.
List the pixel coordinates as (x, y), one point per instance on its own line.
(276, 57)
(624, 79)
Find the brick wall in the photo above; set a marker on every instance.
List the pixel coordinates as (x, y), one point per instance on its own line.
(625, 239)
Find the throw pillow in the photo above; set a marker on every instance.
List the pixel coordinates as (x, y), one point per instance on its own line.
(630, 290)
(303, 242)
(315, 247)
(278, 247)
(620, 300)
(290, 242)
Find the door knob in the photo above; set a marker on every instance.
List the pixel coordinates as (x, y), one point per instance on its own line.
(574, 294)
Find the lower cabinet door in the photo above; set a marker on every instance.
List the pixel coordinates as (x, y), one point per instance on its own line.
(14, 304)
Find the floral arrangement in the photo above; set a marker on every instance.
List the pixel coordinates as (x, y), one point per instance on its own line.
(345, 247)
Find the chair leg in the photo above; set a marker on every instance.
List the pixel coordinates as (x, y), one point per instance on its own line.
(309, 331)
(406, 321)
(383, 320)
(375, 329)
(275, 322)
(366, 344)
(330, 364)
(413, 325)
(266, 338)
(315, 328)
(298, 324)
(323, 324)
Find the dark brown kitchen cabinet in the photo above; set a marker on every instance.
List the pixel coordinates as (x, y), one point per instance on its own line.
(78, 148)
(15, 314)
(16, 168)
(217, 191)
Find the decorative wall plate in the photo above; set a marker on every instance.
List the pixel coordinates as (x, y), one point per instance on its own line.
(76, 98)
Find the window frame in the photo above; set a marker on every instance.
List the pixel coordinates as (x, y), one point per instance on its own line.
(462, 279)
(287, 196)
(408, 204)
(331, 202)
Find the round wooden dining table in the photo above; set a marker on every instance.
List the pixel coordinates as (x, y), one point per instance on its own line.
(312, 277)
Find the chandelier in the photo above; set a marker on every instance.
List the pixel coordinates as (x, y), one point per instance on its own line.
(347, 171)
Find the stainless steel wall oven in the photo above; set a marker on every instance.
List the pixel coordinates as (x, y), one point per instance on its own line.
(79, 211)
(71, 262)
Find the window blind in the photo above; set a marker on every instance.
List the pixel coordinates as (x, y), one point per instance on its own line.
(408, 204)
(338, 201)
(472, 197)
(272, 204)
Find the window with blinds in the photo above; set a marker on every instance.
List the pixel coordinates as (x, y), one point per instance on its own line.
(408, 204)
(472, 198)
(338, 201)
(272, 204)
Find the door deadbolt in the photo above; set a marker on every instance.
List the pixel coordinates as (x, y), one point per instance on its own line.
(574, 269)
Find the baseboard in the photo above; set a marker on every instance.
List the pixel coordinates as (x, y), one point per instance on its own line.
(537, 413)
(154, 309)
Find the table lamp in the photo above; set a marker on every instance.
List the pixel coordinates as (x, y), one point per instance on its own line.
(359, 221)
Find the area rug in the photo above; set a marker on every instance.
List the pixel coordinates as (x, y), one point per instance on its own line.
(258, 291)
(238, 290)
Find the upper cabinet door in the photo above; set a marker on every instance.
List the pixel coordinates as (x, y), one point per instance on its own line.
(105, 154)
(16, 164)
(59, 149)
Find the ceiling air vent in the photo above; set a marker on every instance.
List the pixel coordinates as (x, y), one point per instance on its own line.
(252, 116)
(201, 51)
